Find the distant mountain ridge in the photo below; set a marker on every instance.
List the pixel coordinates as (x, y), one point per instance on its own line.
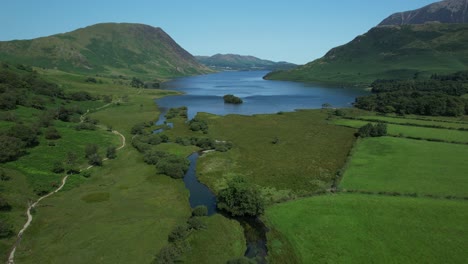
(419, 47)
(240, 62)
(448, 11)
(108, 48)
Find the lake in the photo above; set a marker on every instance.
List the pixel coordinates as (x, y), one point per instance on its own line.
(205, 93)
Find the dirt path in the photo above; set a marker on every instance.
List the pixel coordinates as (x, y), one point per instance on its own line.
(11, 258)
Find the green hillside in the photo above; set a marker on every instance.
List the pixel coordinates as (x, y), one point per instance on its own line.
(388, 52)
(111, 48)
(242, 63)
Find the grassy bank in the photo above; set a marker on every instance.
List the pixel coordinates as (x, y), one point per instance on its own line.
(351, 228)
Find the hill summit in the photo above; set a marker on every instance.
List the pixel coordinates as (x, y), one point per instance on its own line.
(113, 48)
(404, 46)
(448, 11)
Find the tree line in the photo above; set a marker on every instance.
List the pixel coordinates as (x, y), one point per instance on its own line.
(438, 96)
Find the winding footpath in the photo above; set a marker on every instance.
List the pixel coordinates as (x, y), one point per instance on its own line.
(11, 258)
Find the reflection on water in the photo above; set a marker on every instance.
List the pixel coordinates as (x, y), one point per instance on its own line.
(205, 94)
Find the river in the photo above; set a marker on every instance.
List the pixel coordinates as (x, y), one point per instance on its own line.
(205, 94)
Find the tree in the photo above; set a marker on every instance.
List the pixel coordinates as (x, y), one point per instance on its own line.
(70, 162)
(196, 223)
(25, 134)
(326, 106)
(52, 133)
(4, 205)
(90, 150)
(111, 152)
(200, 210)
(179, 233)
(5, 229)
(4, 176)
(240, 199)
(11, 148)
(58, 167)
(173, 166)
(95, 159)
(137, 83)
(232, 99)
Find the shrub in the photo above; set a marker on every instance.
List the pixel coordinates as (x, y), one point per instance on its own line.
(179, 233)
(200, 210)
(153, 156)
(90, 150)
(5, 229)
(11, 149)
(4, 205)
(196, 223)
(52, 133)
(198, 125)
(58, 167)
(4, 176)
(173, 166)
(86, 174)
(95, 159)
(111, 152)
(240, 199)
(370, 130)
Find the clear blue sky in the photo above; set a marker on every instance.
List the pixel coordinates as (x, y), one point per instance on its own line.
(295, 30)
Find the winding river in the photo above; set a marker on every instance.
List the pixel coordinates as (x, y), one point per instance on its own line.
(204, 94)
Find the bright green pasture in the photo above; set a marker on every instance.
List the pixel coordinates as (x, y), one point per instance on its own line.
(305, 158)
(408, 166)
(222, 240)
(413, 131)
(356, 228)
(419, 122)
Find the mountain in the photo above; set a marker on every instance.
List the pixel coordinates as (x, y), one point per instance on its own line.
(107, 48)
(391, 52)
(241, 63)
(449, 11)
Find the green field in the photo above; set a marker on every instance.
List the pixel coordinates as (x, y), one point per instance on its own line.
(119, 215)
(413, 131)
(353, 228)
(222, 240)
(305, 158)
(408, 166)
(418, 122)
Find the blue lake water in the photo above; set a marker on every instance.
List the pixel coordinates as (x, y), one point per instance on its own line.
(205, 93)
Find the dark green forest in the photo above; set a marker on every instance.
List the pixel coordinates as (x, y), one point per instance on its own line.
(440, 95)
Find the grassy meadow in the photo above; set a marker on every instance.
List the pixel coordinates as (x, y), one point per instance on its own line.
(296, 151)
(447, 123)
(356, 228)
(408, 166)
(222, 240)
(413, 131)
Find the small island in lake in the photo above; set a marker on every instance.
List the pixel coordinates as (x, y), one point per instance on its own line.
(232, 99)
